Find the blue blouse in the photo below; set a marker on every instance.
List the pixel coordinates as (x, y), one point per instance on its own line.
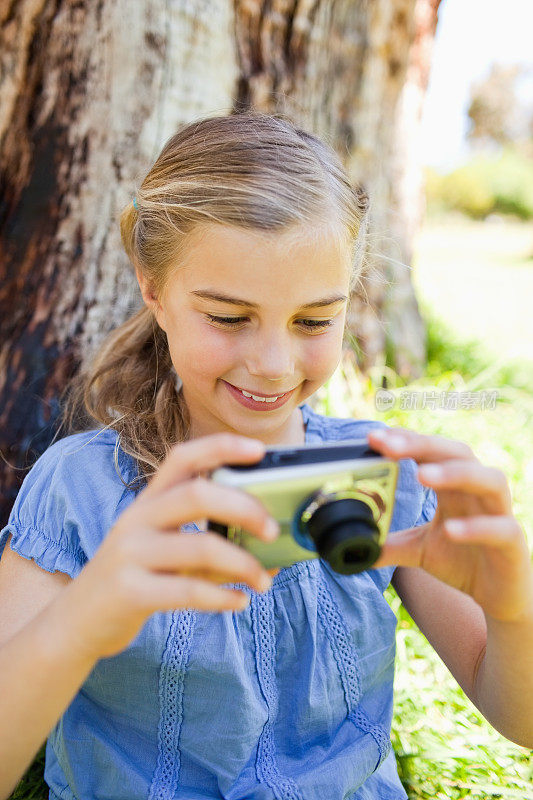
(289, 699)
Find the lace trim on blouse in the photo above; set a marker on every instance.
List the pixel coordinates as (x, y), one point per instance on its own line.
(172, 675)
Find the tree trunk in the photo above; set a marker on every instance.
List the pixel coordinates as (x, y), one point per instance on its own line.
(87, 101)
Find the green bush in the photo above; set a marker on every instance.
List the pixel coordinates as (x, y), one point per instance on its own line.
(501, 184)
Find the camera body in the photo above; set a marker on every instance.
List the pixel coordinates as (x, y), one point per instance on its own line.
(332, 501)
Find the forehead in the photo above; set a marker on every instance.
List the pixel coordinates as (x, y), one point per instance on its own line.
(230, 257)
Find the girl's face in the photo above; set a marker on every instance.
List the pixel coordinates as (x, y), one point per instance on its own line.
(259, 313)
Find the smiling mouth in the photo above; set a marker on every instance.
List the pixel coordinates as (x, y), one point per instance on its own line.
(261, 398)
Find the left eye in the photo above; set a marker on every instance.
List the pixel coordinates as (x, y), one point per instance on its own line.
(306, 323)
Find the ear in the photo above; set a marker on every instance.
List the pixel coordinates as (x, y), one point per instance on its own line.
(150, 299)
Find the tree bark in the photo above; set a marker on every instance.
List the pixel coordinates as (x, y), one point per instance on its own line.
(87, 101)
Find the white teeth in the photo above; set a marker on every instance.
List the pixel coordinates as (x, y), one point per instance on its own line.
(260, 399)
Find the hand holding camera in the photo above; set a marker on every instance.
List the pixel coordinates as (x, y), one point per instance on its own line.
(332, 501)
(473, 542)
(146, 565)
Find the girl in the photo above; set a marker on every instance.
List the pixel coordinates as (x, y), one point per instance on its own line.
(163, 664)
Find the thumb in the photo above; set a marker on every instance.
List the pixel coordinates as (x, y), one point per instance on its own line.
(403, 548)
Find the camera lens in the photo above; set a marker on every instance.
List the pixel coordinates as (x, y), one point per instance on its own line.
(345, 535)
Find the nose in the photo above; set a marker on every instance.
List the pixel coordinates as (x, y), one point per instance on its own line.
(271, 357)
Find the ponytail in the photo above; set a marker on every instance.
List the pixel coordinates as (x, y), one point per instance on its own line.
(131, 385)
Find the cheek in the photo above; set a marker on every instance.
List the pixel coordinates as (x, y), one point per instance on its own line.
(203, 352)
(322, 355)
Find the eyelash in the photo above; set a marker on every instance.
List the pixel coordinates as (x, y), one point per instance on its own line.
(232, 321)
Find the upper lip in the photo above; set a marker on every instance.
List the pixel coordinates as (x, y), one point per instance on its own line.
(260, 394)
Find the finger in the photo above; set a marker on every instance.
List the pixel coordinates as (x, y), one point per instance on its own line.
(404, 443)
(188, 459)
(207, 555)
(221, 578)
(166, 592)
(470, 476)
(403, 548)
(495, 531)
(202, 498)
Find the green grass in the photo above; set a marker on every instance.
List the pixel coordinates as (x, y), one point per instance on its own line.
(32, 786)
(444, 747)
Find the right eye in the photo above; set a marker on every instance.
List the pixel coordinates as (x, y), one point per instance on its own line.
(227, 321)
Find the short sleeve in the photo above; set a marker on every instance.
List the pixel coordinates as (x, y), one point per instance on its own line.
(429, 506)
(68, 501)
(39, 521)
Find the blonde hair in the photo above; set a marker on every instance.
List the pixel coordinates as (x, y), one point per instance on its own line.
(249, 170)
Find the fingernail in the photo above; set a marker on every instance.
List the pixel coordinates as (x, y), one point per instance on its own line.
(430, 473)
(455, 526)
(272, 529)
(265, 583)
(396, 442)
(253, 445)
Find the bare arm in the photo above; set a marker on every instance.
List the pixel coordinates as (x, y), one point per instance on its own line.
(504, 681)
(492, 661)
(41, 670)
(451, 621)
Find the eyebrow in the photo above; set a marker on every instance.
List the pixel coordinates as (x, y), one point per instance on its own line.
(235, 301)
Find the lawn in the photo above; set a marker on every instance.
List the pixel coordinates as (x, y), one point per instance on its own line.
(478, 277)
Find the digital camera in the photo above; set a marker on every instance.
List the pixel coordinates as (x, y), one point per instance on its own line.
(332, 501)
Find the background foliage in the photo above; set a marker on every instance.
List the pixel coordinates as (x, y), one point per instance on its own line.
(499, 183)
